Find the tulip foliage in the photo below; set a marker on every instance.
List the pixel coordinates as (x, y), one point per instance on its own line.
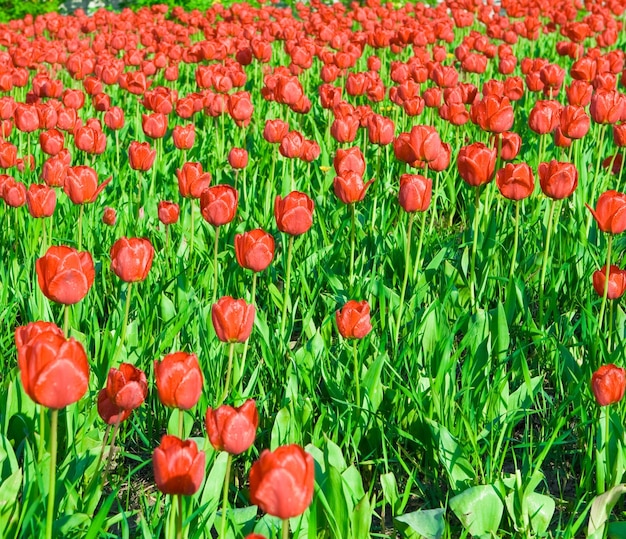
(359, 265)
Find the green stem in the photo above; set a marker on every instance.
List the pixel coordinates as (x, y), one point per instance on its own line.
(285, 529)
(515, 241)
(606, 282)
(181, 420)
(215, 263)
(601, 452)
(474, 248)
(407, 269)
(193, 229)
(126, 313)
(544, 263)
(283, 319)
(247, 343)
(352, 242)
(229, 462)
(621, 170)
(357, 374)
(116, 429)
(54, 421)
(231, 352)
(420, 243)
(42, 426)
(80, 226)
(179, 517)
(96, 474)
(66, 319)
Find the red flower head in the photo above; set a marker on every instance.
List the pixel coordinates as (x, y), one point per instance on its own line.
(415, 192)
(41, 200)
(178, 380)
(65, 275)
(26, 118)
(178, 466)
(282, 481)
(192, 181)
(154, 125)
(184, 136)
(493, 113)
(131, 259)
(510, 144)
(275, 130)
(240, 108)
(607, 106)
(349, 160)
(353, 320)
(610, 212)
(617, 282)
(380, 130)
(515, 181)
(13, 192)
(8, 155)
(127, 387)
(218, 204)
(90, 139)
(544, 116)
(574, 122)
(608, 384)
(294, 213)
(254, 250)
(81, 184)
(232, 319)
(232, 429)
(141, 156)
(168, 212)
(238, 158)
(558, 180)
(51, 141)
(54, 371)
(109, 216)
(109, 411)
(291, 145)
(476, 164)
(55, 169)
(114, 118)
(344, 129)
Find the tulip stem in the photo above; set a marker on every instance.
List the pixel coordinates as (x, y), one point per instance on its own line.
(357, 382)
(179, 517)
(193, 229)
(544, 263)
(116, 428)
(601, 451)
(247, 343)
(215, 263)
(352, 242)
(100, 457)
(231, 353)
(283, 319)
(605, 293)
(181, 420)
(285, 529)
(407, 269)
(420, 243)
(515, 241)
(80, 226)
(54, 420)
(126, 313)
(474, 248)
(229, 463)
(66, 319)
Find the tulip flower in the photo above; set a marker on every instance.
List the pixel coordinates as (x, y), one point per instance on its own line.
(64, 274)
(282, 481)
(178, 380)
(109, 216)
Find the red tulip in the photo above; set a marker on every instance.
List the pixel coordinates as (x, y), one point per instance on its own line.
(510, 144)
(13, 192)
(131, 258)
(109, 411)
(184, 136)
(178, 380)
(349, 187)
(154, 125)
(64, 274)
(344, 129)
(380, 130)
(275, 130)
(81, 184)
(353, 320)
(168, 212)
(294, 213)
(41, 200)
(73, 99)
(114, 118)
(238, 158)
(607, 107)
(608, 384)
(54, 371)
(218, 204)
(26, 118)
(240, 108)
(178, 466)
(610, 212)
(617, 282)
(544, 116)
(282, 481)
(232, 429)
(90, 139)
(109, 216)
(55, 170)
(8, 155)
(127, 387)
(515, 181)
(232, 319)
(415, 192)
(291, 145)
(254, 250)
(141, 156)
(558, 180)
(574, 122)
(619, 134)
(51, 141)
(493, 114)
(476, 164)
(349, 160)
(192, 181)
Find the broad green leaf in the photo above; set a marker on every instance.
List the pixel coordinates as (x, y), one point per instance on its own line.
(390, 489)
(540, 509)
(334, 456)
(428, 524)
(353, 483)
(361, 519)
(9, 492)
(372, 383)
(452, 456)
(601, 508)
(479, 509)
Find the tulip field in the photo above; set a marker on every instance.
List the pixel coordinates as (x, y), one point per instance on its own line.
(314, 270)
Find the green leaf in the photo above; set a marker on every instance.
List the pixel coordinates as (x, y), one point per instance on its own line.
(390, 489)
(540, 509)
(372, 383)
(500, 333)
(452, 456)
(601, 508)
(9, 491)
(428, 524)
(479, 509)
(334, 456)
(361, 519)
